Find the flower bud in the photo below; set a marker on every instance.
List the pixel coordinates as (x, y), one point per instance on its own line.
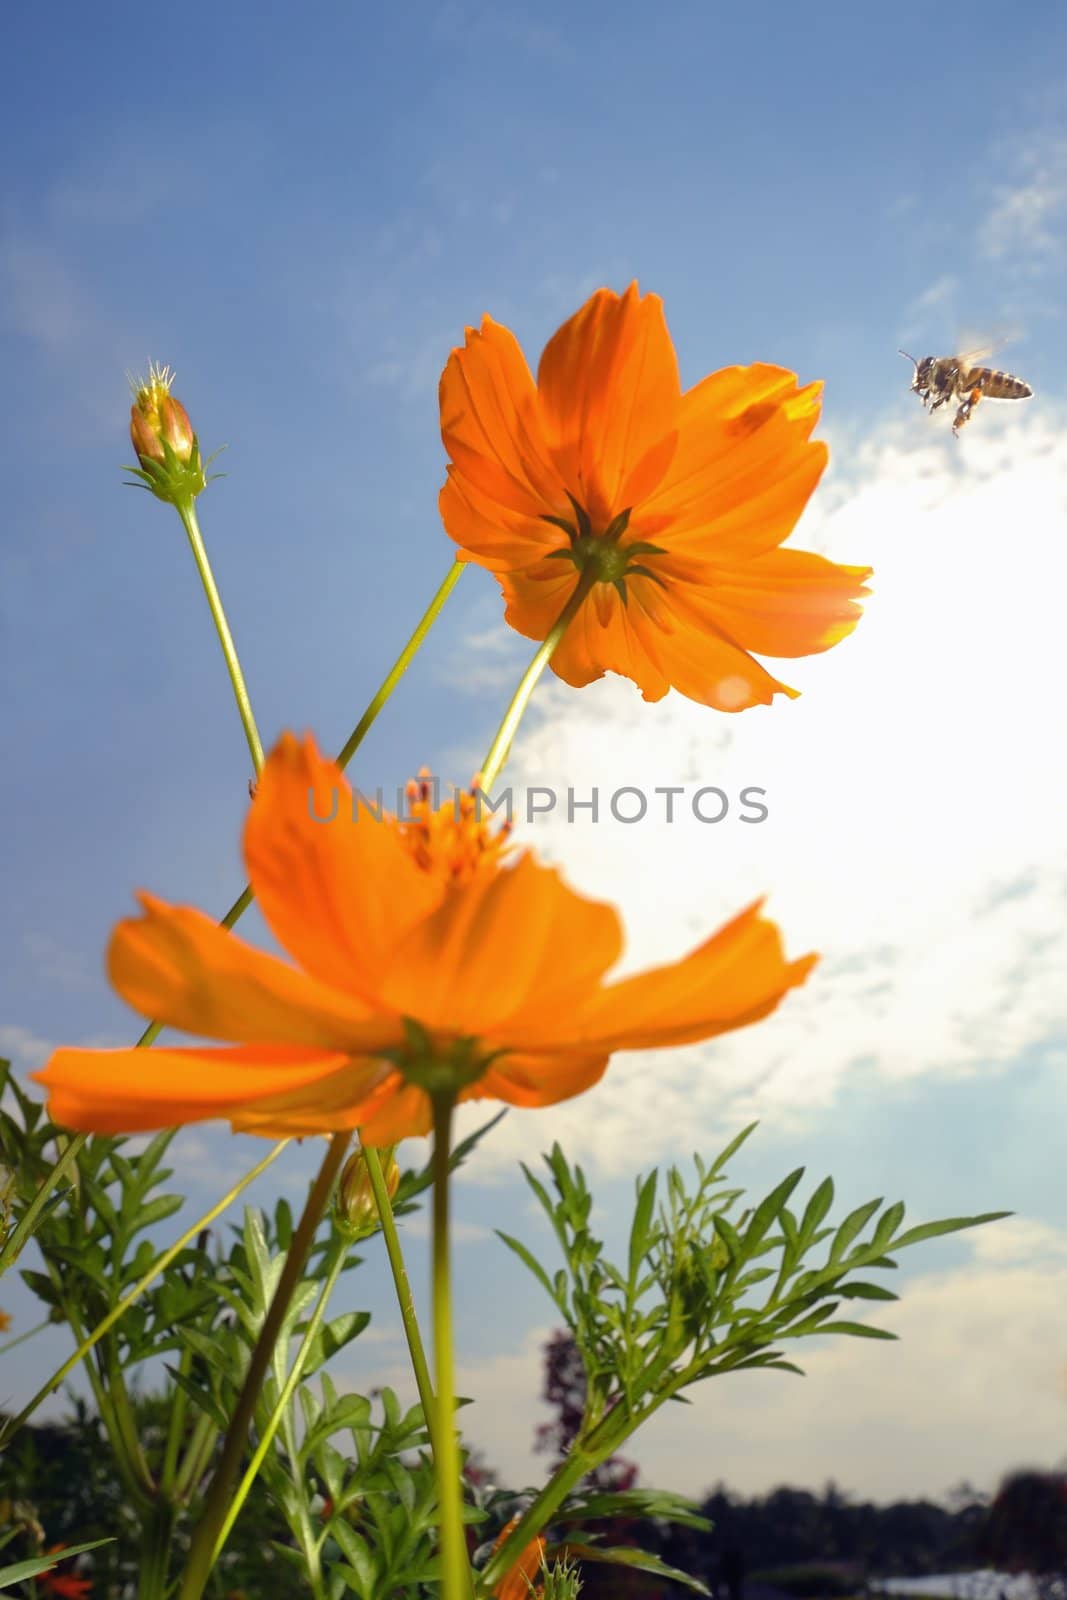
(355, 1209)
(163, 438)
(156, 418)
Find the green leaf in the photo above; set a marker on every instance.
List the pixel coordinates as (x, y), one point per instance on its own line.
(333, 1336)
(934, 1230)
(810, 1324)
(164, 1205)
(201, 1398)
(865, 1291)
(529, 1260)
(768, 1210)
(729, 1236)
(859, 1330)
(357, 1553)
(731, 1150)
(664, 1504)
(637, 1561)
(816, 1209)
(639, 1232)
(39, 1564)
(852, 1226)
(347, 1411)
(888, 1223)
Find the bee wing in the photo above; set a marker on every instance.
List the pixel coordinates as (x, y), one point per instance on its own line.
(974, 349)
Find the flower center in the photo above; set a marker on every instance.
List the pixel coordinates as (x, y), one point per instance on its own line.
(149, 395)
(440, 1066)
(452, 841)
(604, 554)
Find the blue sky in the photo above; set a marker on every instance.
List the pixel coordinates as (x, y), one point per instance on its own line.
(301, 211)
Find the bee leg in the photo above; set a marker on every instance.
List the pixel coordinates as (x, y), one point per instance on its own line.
(963, 415)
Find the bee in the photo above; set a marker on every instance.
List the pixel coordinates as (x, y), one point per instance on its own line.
(940, 378)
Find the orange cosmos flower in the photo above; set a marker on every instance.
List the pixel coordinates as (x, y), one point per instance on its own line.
(425, 959)
(679, 503)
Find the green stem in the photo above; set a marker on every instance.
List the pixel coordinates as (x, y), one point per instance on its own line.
(401, 664)
(455, 1570)
(120, 1399)
(405, 1298)
(22, 1337)
(610, 1433)
(201, 1552)
(501, 745)
(535, 1518)
(175, 1426)
(157, 1530)
(337, 1259)
(25, 1227)
(158, 1266)
(187, 511)
(197, 1455)
(124, 1466)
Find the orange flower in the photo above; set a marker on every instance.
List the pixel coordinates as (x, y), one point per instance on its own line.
(65, 1586)
(678, 501)
(5, 1321)
(424, 959)
(518, 1582)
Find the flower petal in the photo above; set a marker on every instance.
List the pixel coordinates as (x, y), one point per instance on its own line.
(369, 1095)
(702, 663)
(781, 603)
(506, 940)
(737, 976)
(609, 390)
(492, 535)
(134, 1091)
(338, 894)
(517, 1582)
(538, 1080)
(491, 422)
(605, 636)
(745, 466)
(177, 965)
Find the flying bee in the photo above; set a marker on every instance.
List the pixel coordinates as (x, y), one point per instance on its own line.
(940, 378)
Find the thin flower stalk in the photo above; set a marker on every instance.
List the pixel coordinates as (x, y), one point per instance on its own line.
(501, 746)
(455, 1567)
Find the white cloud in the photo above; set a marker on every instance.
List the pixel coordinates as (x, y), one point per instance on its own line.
(40, 296)
(915, 835)
(419, 1227)
(25, 1049)
(491, 656)
(1026, 224)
